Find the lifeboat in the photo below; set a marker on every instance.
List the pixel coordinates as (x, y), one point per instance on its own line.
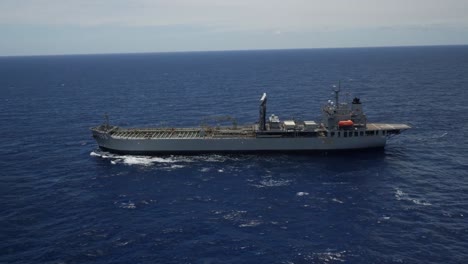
(345, 123)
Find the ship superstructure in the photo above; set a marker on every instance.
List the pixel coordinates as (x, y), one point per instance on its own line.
(344, 127)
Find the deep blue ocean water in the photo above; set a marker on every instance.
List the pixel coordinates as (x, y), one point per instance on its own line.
(64, 201)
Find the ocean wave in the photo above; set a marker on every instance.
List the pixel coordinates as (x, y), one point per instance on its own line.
(402, 196)
(127, 205)
(250, 223)
(328, 256)
(337, 201)
(238, 217)
(272, 183)
(432, 137)
(234, 215)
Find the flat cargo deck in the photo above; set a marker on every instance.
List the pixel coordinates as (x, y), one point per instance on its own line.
(180, 133)
(220, 132)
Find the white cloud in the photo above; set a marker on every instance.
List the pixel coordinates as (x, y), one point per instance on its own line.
(295, 15)
(100, 26)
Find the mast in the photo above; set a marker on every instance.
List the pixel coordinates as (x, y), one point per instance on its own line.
(337, 93)
(262, 121)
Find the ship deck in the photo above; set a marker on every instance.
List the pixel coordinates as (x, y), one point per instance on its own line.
(227, 132)
(181, 133)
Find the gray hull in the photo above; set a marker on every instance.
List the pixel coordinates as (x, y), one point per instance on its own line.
(237, 145)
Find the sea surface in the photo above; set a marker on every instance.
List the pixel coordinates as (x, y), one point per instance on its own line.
(65, 201)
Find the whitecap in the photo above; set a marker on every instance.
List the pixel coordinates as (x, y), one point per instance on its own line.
(331, 256)
(123, 243)
(419, 202)
(234, 215)
(238, 217)
(129, 205)
(302, 193)
(272, 183)
(384, 218)
(398, 194)
(337, 201)
(251, 223)
(402, 196)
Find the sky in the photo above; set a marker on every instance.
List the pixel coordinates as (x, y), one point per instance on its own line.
(45, 27)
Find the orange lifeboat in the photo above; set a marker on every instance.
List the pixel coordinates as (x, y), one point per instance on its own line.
(345, 123)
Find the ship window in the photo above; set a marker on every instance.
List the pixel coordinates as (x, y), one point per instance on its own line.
(332, 134)
(361, 133)
(339, 134)
(384, 132)
(350, 134)
(345, 134)
(356, 134)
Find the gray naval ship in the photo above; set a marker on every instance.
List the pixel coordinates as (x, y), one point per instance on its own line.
(344, 127)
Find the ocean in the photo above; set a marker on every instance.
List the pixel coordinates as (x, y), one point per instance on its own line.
(65, 201)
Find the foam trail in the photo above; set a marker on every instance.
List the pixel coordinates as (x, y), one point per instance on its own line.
(134, 160)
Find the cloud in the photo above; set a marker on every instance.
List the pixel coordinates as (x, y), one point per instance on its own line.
(95, 26)
(269, 15)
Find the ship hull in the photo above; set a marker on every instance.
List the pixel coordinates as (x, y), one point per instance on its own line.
(234, 152)
(237, 145)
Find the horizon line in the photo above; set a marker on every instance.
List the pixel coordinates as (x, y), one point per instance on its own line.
(229, 50)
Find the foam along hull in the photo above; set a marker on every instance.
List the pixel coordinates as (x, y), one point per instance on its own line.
(237, 145)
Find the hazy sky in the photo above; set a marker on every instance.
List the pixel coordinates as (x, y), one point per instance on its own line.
(112, 26)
